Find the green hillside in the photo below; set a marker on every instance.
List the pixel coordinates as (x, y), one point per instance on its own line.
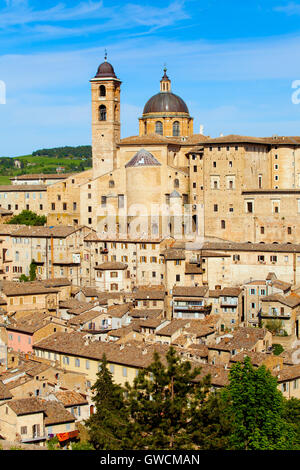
(71, 159)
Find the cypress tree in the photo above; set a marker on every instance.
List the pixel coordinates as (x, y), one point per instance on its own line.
(106, 426)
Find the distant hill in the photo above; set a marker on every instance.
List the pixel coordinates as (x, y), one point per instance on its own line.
(60, 159)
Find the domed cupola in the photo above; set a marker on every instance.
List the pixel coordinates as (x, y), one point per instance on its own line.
(105, 70)
(166, 113)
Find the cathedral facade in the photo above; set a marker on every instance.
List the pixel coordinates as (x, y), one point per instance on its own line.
(168, 181)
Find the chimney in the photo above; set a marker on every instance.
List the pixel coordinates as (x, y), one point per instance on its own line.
(201, 129)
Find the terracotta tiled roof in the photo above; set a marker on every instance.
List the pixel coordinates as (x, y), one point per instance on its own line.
(25, 406)
(57, 282)
(77, 307)
(192, 269)
(23, 187)
(149, 294)
(84, 317)
(256, 283)
(172, 327)
(70, 398)
(219, 375)
(292, 301)
(189, 291)
(287, 373)
(4, 392)
(56, 413)
(90, 291)
(132, 354)
(172, 254)
(268, 247)
(200, 350)
(257, 358)
(275, 140)
(92, 237)
(242, 338)
(30, 323)
(146, 313)
(118, 311)
(225, 292)
(57, 231)
(146, 140)
(113, 265)
(281, 285)
(150, 323)
(58, 176)
(10, 288)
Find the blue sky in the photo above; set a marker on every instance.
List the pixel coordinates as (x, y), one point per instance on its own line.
(232, 61)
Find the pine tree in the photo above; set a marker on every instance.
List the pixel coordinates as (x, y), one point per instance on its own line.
(211, 424)
(161, 403)
(106, 425)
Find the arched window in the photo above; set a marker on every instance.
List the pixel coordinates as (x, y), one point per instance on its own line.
(176, 183)
(223, 224)
(102, 113)
(176, 128)
(102, 90)
(145, 127)
(111, 184)
(159, 128)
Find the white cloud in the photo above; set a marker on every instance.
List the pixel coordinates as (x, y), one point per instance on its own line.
(122, 16)
(48, 95)
(290, 9)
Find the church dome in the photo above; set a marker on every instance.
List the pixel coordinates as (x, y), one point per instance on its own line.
(165, 103)
(105, 70)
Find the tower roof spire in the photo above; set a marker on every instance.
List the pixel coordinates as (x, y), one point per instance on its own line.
(165, 83)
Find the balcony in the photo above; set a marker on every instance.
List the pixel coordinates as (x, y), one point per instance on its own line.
(34, 438)
(274, 313)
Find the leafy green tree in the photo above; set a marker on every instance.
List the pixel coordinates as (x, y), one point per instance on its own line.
(277, 349)
(106, 426)
(81, 446)
(23, 278)
(53, 444)
(274, 326)
(161, 403)
(292, 416)
(28, 218)
(257, 409)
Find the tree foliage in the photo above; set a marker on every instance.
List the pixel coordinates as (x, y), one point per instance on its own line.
(161, 403)
(277, 349)
(169, 407)
(257, 408)
(106, 426)
(66, 152)
(28, 218)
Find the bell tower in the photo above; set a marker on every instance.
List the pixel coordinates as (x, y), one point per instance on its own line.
(105, 87)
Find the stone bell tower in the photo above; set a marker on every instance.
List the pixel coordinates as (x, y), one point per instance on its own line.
(105, 118)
